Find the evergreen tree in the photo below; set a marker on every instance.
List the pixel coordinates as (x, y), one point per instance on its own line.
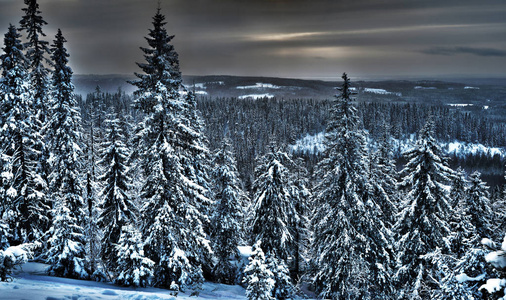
(116, 206)
(301, 196)
(422, 227)
(495, 286)
(66, 254)
(227, 218)
(499, 216)
(93, 138)
(259, 279)
(463, 233)
(37, 53)
(196, 160)
(132, 267)
(161, 66)
(65, 185)
(283, 286)
(173, 224)
(274, 211)
(383, 179)
(464, 277)
(478, 205)
(458, 188)
(36, 49)
(351, 256)
(23, 209)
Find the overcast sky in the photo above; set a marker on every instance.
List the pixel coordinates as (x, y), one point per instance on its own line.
(285, 38)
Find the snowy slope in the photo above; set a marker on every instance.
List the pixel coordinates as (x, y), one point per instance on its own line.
(31, 283)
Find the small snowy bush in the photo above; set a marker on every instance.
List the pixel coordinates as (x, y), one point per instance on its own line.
(12, 257)
(496, 286)
(259, 278)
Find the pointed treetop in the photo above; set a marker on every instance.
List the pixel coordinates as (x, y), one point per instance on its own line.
(345, 89)
(32, 15)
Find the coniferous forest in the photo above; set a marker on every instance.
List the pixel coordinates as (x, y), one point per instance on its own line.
(163, 188)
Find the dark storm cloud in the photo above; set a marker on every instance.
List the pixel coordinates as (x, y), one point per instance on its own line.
(465, 50)
(292, 38)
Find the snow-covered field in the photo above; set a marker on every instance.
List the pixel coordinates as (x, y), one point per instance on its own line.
(258, 85)
(31, 283)
(418, 87)
(256, 96)
(380, 92)
(460, 104)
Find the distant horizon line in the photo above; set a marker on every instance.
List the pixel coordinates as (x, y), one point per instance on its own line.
(459, 76)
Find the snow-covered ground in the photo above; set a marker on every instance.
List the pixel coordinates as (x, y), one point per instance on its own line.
(460, 104)
(201, 86)
(258, 85)
(184, 93)
(419, 87)
(380, 92)
(256, 96)
(32, 283)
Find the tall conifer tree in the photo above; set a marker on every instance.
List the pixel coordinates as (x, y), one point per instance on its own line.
(173, 222)
(116, 206)
(37, 54)
(36, 51)
(67, 242)
(227, 230)
(274, 207)
(351, 255)
(423, 226)
(24, 211)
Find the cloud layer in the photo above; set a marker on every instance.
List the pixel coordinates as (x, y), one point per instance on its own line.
(289, 38)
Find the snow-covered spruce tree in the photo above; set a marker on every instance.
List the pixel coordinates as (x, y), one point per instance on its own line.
(227, 229)
(478, 205)
(463, 276)
(467, 269)
(460, 270)
(173, 226)
(93, 137)
(24, 210)
(493, 279)
(37, 53)
(301, 196)
(66, 254)
(351, 254)
(499, 208)
(283, 286)
(196, 159)
(422, 226)
(383, 178)
(67, 241)
(463, 233)
(259, 279)
(458, 188)
(116, 206)
(274, 210)
(132, 267)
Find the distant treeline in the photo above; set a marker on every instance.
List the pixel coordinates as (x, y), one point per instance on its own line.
(253, 124)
